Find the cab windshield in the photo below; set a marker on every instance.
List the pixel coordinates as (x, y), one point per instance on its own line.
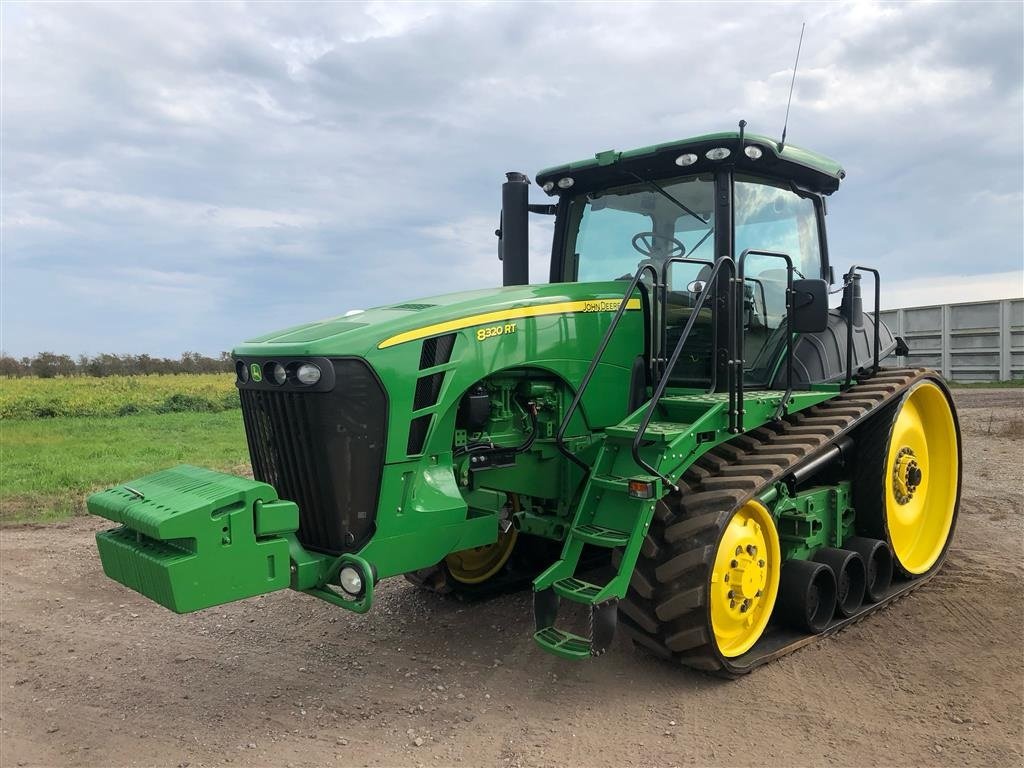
(620, 229)
(617, 230)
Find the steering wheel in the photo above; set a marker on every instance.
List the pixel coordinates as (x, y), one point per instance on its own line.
(644, 242)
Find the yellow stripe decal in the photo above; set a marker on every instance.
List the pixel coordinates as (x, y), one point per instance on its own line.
(537, 310)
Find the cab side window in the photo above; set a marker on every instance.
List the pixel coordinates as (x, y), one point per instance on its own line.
(771, 217)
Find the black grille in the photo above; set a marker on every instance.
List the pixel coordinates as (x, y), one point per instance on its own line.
(324, 451)
(436, 350)
(418, 428)
(428, 388)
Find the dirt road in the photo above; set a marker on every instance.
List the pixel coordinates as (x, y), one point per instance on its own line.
(93, 674)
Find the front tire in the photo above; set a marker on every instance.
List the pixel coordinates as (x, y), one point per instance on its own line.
(479, 564)
(705, 586)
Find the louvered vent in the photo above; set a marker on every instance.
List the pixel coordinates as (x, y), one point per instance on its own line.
(418, 428)
(413, 307)
(427, 390)
(437, 350)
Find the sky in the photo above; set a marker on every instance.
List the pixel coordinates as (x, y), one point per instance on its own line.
(182, 177)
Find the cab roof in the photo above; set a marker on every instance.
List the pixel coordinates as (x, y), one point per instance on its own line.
(807, 169)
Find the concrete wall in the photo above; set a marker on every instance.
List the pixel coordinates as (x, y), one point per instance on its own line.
(973, 341)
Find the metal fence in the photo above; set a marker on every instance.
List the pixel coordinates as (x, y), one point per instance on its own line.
(972, 341)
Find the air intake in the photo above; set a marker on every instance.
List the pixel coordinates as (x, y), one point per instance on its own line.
(437, 350)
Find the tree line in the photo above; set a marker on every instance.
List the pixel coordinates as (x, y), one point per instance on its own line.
(48, 365)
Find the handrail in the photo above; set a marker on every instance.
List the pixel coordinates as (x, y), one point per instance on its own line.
(789, 328)
(847, 281)
(595, 361)
(663, 381)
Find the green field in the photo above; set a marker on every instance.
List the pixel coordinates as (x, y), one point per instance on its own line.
(62, 438)
(1010, 384)
(48, 466)
(116, 395)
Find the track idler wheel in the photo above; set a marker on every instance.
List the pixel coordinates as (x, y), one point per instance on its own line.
(851, 577)
(878, 565)
(907, 481)
(807, 595)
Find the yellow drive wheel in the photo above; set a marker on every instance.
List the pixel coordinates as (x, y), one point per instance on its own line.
(477, 565)
(508, 564)
(912, 477)
(744, 579)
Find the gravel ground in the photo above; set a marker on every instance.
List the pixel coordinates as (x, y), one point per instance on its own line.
(93, 674)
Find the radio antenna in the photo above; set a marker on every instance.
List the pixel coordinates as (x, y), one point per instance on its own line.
(792, 82)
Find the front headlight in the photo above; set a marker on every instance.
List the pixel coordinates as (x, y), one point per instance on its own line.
(276, 373)
(307, 373)
(351, 581)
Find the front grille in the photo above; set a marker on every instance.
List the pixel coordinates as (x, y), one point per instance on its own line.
(324, 451)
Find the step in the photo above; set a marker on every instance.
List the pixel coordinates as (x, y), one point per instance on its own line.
(601, 536)
(657, 431)
(577, 590)
(562, 643)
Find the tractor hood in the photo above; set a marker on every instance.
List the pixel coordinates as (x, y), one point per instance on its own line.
(361, 333)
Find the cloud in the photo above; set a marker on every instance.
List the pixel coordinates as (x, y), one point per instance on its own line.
(168, 168)
(952, 289)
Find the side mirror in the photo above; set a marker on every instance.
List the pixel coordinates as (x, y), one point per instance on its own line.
(810, 306)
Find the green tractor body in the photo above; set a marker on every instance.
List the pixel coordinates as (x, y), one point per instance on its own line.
(677, 387)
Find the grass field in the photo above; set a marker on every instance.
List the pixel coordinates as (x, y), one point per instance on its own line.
(116, 395)
(62, 438)
(48, 466)
(1010, 384)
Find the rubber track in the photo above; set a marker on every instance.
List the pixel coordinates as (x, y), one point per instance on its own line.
(666, 608)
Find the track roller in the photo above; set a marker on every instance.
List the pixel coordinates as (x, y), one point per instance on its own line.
(878, 565)
(807, 595)
(851, 577)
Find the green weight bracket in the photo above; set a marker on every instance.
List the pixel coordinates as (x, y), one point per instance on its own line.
(190, 538)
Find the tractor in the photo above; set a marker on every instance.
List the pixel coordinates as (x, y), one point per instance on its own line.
(673, 434)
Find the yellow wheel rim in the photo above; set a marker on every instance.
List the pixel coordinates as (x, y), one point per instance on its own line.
(745, 579)
(477, 565)
(922, 475)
